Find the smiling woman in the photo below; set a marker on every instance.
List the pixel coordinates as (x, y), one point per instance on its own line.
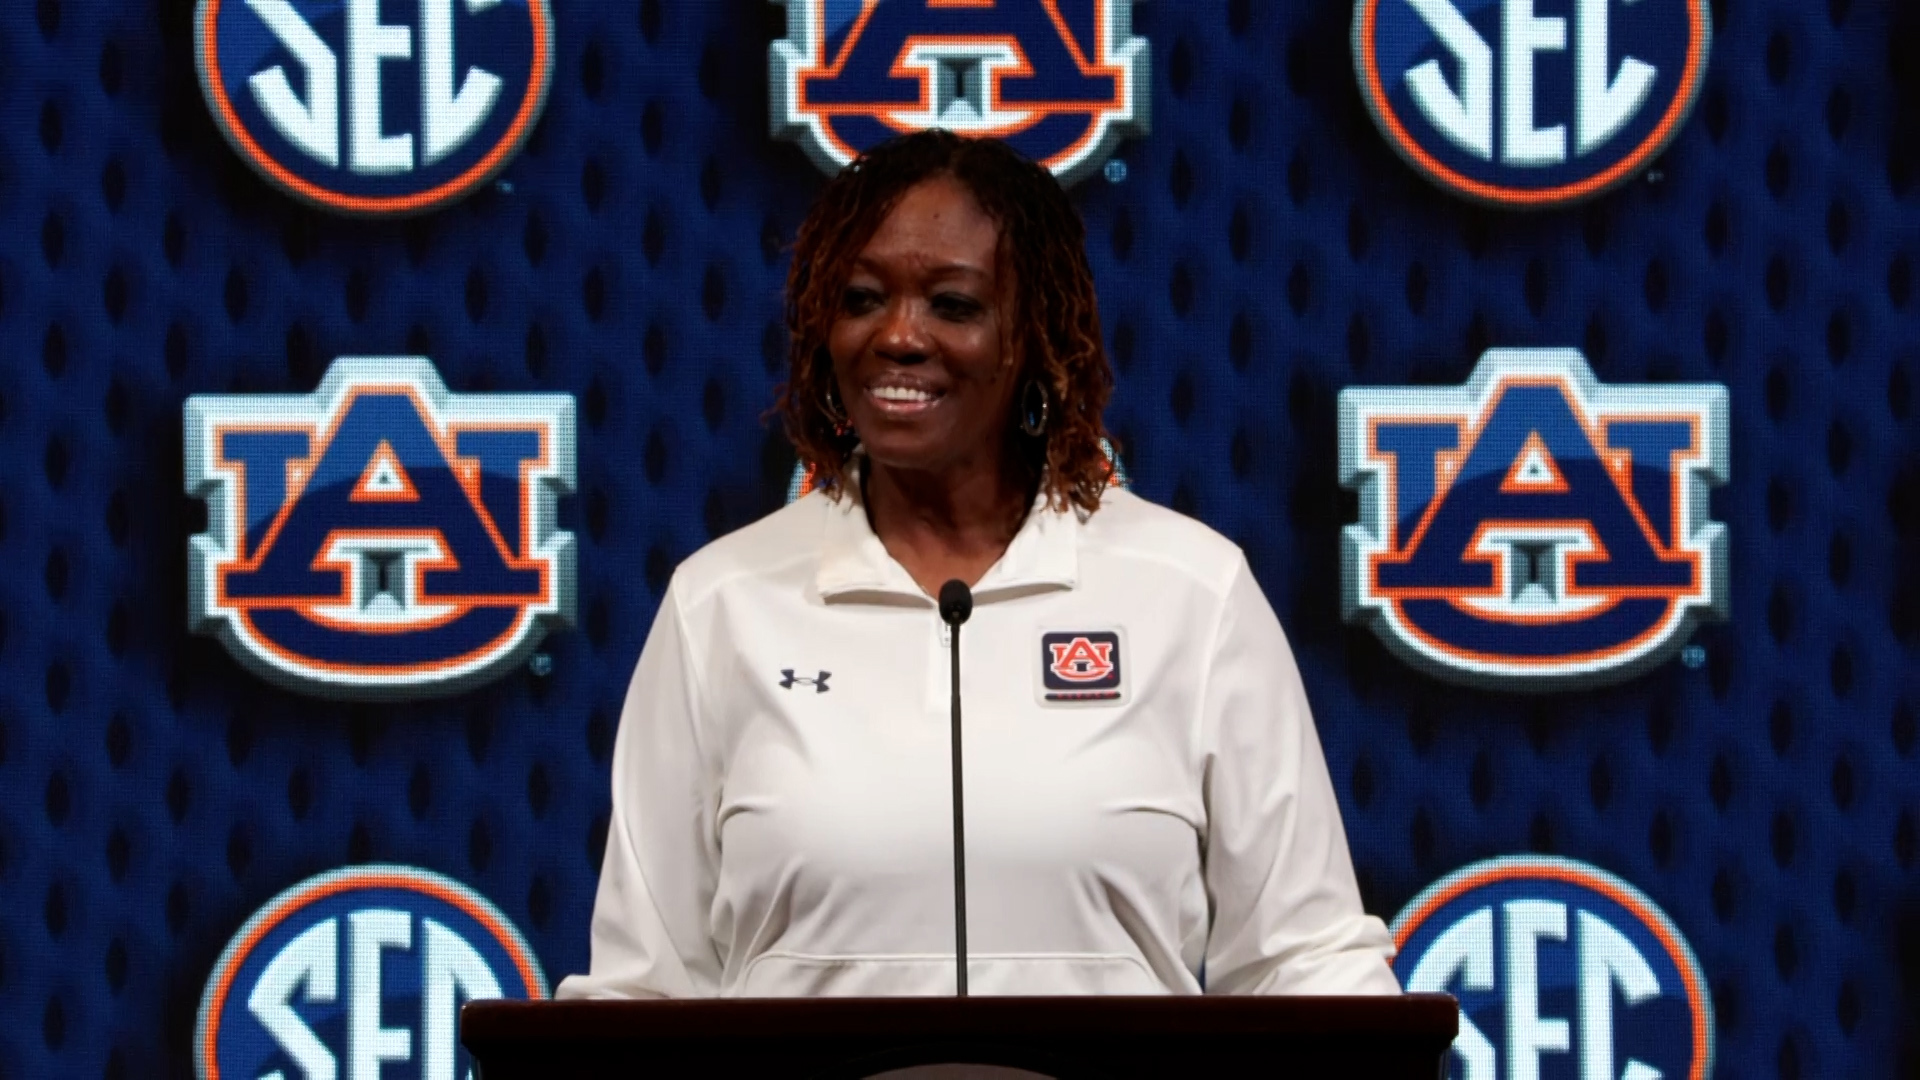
(939, 285)
(1147, 807)
(918, 350)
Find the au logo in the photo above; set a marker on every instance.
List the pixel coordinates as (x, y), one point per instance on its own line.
(375, 108)
(381, 537)
(1561, 970)
(1082, 667)
(1534, 530)
(1530, 103)
(359, 972)
(1063, 81)
(1080, 660)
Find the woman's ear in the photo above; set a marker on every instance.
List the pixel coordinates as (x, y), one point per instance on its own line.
(1013, 349)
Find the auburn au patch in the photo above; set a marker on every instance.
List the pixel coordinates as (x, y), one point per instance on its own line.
(1082, 667)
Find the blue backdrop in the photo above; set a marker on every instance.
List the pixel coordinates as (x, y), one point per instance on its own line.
(1265, 249)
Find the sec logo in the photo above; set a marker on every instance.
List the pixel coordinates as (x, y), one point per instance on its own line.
(1534, 530)
(373, 108)
(1530, 103)
(1063, 81)
(380, 538)
(360, 972)
(1562, 971)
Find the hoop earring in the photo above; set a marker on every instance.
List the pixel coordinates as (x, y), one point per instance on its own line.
(835, 413)
(1033, 418)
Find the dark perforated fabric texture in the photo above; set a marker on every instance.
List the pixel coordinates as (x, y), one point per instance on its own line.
(1264, 249)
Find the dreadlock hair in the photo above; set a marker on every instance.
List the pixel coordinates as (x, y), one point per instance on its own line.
(1056, 317)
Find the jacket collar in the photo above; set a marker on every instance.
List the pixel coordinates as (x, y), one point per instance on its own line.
(854, 564)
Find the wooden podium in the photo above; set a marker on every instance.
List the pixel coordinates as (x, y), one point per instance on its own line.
(1077, 1038)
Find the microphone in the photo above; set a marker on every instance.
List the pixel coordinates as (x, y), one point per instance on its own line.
(956, 603)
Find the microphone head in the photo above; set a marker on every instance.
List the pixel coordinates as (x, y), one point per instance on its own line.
(956, 602)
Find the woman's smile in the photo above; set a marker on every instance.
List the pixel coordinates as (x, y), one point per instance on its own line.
(900, 399)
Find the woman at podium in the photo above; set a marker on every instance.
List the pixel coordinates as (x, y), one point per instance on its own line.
(1147, 806)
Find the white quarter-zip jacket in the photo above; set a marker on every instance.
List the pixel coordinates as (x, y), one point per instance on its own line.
(1147, 806)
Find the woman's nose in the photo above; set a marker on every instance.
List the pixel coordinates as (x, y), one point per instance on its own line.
(903, 336)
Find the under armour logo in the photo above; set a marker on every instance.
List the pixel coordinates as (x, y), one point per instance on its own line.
(790, 679)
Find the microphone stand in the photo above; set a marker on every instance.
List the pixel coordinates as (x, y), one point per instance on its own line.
(956, 604)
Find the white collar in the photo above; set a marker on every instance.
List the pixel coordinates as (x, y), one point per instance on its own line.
(1043, 556)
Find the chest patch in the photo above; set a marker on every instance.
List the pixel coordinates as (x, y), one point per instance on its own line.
(1082, 667)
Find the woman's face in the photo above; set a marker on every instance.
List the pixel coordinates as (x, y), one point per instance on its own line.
(920, 349)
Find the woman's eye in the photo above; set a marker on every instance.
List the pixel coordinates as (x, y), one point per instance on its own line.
(859, 301)
(955, 306)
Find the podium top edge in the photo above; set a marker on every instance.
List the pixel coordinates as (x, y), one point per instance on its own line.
(1409, 1016)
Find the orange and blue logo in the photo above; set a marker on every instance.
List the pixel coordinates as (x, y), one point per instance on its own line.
(360, 972)
(381, 538)
(1080, 659)
(1561, 969)
(1530, 103)
(1534, 529)
(1082, 667)
(371, 108)
(1063, 81)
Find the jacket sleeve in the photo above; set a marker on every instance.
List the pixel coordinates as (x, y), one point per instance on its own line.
(650, 935)
(1286, 915)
